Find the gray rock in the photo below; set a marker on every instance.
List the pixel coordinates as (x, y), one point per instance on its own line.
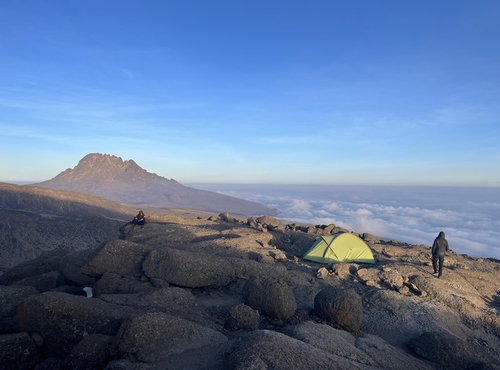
(119, 257)
(342, 307)
(43, 282)
(252, 223)
(188, 269)
(278, 255)
(397, 319)
(242, 317)
(343, 270)
(226, 217)
(91, 353)
(10, 297)
(50, 363)
(268, 221)
(368, 274)
(322, 273)
(153, 337)
(165, 299)
(18, 351)
(63, 319)
(370, 237)
(392, 279)
(111, 283)
(270, 296)
(387, 356)
(451, 352)
(328, 229)
(71, 265)
(338, 342)
(67, 263)
(264, 349)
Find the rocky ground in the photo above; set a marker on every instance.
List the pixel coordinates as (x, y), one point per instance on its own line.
(223, 293)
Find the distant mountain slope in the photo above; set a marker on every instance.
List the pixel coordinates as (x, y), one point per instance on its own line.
(110, 177)
(34, 220)
(65, 203)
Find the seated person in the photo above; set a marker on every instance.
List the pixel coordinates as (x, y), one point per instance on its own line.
(140, 219)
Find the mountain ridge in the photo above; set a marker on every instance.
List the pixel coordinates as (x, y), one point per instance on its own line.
(110, 177)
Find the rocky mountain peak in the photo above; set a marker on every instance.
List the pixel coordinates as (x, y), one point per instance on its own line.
(108, 176)
(97, 161)
(97, 166)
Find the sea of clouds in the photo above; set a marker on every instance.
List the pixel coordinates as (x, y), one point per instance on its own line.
(470, 217)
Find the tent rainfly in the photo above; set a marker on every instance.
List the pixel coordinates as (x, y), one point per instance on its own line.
(337, 248)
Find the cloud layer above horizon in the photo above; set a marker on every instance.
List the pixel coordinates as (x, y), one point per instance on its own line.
(469, 219)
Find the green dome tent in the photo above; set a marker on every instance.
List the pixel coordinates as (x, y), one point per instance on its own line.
(341, 247)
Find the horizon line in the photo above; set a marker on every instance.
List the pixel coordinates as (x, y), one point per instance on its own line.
(375, 184)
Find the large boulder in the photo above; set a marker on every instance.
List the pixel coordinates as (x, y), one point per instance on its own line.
(188, 269)
(397, 318)
(63, 319)
(111, 283)
(68, 263)
(119, 257)
(338, 342)
(391, 278)
(268, 221)
(242, 317)
(10, 297)
(271, 297)
(91, 353)
(43, 282)
(341, 307)
(451, 352)
(71, 264)
(18, 351)
(164, 299)
(154, 337)
(264, 349)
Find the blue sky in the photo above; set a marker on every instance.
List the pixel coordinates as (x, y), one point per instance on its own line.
(365, 92)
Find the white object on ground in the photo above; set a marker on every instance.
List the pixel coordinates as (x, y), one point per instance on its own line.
(88, 291)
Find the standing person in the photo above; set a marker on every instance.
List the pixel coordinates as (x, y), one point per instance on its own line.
(439, 248)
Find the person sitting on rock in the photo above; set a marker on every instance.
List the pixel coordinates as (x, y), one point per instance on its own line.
(439, 248)
(140, 219)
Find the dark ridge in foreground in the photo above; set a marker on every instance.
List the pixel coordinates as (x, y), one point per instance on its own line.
(110, 177)
(222, 293)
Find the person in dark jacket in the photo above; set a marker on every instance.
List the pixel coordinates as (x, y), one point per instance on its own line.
(439, 248)
(140, 219)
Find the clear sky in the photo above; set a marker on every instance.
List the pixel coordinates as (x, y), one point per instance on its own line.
(354, 91)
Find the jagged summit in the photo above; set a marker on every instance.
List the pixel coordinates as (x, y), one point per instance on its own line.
(96, 166)
(110, 177)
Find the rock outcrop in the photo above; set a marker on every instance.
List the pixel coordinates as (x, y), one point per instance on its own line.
(271, 297)
(154, 337)
(342, 307)
(63, 319)
(187, 269)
